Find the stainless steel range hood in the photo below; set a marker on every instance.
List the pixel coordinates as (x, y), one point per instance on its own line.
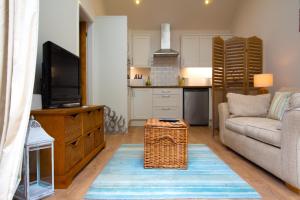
(165, 45)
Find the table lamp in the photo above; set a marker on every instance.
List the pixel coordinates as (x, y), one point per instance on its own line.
(263, 81)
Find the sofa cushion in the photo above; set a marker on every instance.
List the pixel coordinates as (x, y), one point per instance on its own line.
(238, 124)
(294, 101)
(265, 130)
(279, 105)
(248, 105)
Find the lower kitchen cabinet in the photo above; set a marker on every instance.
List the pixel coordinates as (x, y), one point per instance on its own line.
(141, 103)
(156, 102)
(167, 103)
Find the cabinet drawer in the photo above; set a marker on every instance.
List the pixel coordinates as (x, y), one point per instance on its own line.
(99, 137)
(72, 126)
(74, 153)
(98, 117)
(166, 112)
(89, 120)
(166, 91)
(88, 143)
(166, 100)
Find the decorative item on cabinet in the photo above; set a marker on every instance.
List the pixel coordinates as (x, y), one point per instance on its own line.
(79, 136)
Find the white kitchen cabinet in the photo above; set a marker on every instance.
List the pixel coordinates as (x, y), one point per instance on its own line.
(167, 103)
(141, 50)
(141, 103)
(157, 102)
(196, 51)
(190, 51)
(205, 56)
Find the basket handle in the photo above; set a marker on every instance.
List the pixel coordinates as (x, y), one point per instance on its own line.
(166, 137)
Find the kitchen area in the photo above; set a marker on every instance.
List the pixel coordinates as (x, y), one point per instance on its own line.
(169, 75)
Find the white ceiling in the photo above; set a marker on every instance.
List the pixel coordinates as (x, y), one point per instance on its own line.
(182, 14)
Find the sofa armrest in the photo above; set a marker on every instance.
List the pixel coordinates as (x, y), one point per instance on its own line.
(223, 116)
(291, 147)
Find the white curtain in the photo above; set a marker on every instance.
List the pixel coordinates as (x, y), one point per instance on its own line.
(18, 49)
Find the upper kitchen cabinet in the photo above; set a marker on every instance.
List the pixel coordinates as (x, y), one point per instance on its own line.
(141, 50)
(196, 51)
(190, 51)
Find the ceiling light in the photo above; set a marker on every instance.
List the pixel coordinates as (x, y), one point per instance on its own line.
(206, 2)
(137, 2)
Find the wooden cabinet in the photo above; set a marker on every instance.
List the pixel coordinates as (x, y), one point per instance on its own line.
(196, 51)
(79, 136)
(141, 103)
(141, 50)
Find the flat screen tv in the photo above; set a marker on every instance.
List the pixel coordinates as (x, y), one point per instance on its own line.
(60, 77)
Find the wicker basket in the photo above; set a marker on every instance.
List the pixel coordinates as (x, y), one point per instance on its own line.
(165, 144)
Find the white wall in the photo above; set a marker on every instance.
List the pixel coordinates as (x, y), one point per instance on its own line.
(93, 7)
(59, 23)
(277, 23)
(109, 69)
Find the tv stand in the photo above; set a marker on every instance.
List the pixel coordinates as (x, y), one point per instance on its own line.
(79, 137)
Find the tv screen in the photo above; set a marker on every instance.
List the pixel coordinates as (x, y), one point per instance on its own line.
(61, 77)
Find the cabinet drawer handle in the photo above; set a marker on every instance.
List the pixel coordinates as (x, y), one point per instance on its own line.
(89, 135)
(74, 115)
(166, 108)
(75, 143)
(89, 112)
(165, 96)
(166, 91)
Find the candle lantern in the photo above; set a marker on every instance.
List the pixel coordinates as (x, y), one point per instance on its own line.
(37, 179)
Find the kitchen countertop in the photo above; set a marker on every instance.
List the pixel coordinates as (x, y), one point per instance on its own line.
(200, 86)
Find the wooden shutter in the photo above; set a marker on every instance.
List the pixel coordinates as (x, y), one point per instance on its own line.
(254, 59)
(218, 79)
(235, 65)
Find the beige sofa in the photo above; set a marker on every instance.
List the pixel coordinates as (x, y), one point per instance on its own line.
(274, 145)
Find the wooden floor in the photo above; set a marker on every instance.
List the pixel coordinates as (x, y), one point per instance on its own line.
(269, 187)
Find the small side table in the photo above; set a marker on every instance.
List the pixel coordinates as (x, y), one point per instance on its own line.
(165, 144)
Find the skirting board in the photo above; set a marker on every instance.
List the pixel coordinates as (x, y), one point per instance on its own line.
(137, 122)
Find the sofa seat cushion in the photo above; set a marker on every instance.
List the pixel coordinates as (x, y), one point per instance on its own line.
(266, 130)
(262, 129)
(238, 124)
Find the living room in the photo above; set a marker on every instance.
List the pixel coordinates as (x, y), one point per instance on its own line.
(140, 99)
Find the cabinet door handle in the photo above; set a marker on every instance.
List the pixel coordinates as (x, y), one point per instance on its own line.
(75, 143)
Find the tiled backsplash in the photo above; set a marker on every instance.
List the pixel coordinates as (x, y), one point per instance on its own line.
(164, 76)
(165, 71)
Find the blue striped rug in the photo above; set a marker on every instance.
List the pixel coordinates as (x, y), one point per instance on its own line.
(207, 177)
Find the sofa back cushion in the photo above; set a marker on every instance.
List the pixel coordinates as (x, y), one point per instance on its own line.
(279, 105)
(294, 101)
(248, 105)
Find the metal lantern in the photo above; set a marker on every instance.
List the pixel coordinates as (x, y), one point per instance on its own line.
(38, 164)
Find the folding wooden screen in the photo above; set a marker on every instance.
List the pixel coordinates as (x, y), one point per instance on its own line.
(235, 61)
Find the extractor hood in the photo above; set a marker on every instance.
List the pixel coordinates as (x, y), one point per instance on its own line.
(165, 44)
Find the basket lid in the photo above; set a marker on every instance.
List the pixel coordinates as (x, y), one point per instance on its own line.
(153, 122)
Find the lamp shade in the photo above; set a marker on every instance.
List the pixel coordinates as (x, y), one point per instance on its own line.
(263, 80)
